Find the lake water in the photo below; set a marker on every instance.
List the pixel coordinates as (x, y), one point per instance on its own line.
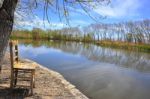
(100, 73)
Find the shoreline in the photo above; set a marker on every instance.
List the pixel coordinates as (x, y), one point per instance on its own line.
(72, 88)
(49, 84)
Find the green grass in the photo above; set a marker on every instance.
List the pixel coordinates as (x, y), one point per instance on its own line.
(125, 45)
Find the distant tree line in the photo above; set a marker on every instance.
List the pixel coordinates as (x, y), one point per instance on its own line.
(131, 32)
(67, 34)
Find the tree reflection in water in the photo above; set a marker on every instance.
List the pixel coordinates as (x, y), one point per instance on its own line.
(128, 59)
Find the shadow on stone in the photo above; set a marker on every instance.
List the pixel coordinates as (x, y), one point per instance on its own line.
(17, 93)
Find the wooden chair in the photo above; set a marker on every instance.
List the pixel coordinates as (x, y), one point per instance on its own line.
(20, 68)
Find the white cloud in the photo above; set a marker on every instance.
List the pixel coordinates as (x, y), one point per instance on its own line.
(78, 22)
(30, 22)
(23, 22)
(120, 8)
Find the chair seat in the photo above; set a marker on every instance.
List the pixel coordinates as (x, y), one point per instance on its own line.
(24, 65)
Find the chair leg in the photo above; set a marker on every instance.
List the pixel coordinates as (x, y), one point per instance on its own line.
(31, 83)
(16, 74)
(33, 78)
(12, 79)
(12, 84)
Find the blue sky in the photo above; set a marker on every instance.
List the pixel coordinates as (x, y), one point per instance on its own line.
(116, 11)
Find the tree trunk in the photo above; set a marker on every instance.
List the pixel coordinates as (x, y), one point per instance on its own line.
(6, 24)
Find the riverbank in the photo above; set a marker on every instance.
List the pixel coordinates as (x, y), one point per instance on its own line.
(125, 45)
(48, 85)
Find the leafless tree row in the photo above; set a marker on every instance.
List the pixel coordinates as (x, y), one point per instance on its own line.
(133, 32)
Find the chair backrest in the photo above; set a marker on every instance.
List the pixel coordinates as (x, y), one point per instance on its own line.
(13, 52)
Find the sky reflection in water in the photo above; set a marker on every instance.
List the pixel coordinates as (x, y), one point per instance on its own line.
(100, 73)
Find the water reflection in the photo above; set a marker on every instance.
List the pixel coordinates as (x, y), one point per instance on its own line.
(100, 73)
(135, 60)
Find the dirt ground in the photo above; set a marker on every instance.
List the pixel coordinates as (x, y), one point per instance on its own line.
(48, 85)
